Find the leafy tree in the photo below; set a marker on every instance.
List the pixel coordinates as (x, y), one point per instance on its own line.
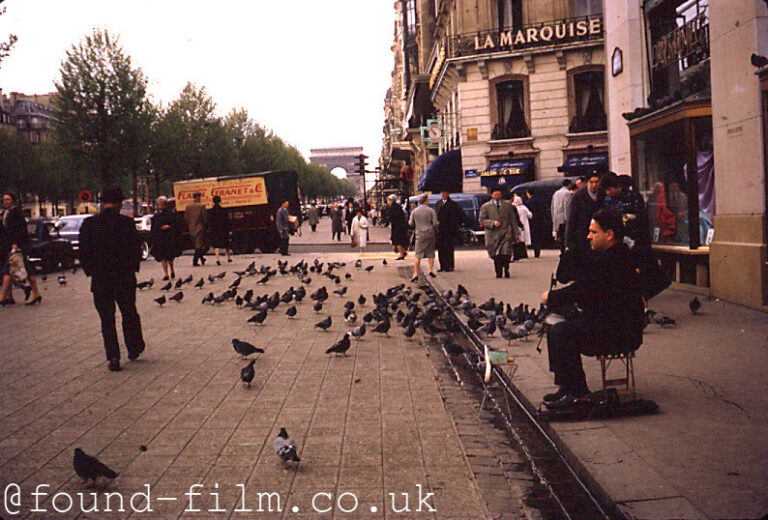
(103, 115)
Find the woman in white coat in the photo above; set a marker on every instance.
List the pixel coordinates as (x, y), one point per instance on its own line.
(525, 215)
(360, 229)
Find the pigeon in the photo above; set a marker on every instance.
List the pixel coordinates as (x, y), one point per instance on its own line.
(317, 307)
(285, 449)
(200, 283)
(235, 283)
(350, 317)
(90, 468)
(341, 346)
(661, 320)
(347, 276)
(239, 301)
(245, 349)
(160, 301)
(384, 262)
(62, 279)
(488, 329)
(462, 290)
(291, 311)
(361, 300)
(410, 331)
(341, 292)
(358, 332)
(221, 275)
(248, 295)
(177, 297)
(382, 328)
(208, 298)
(259, 317)
(145, 285)
(369, 268)
(368, 317)
(188, 279)
(211, 278)
(694, 305)
(166, 287)
(324, 324)
(359, 264)
(179, 283)
(247, 374)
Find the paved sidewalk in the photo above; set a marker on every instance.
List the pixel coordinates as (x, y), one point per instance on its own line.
(704, 455)
(369, 424)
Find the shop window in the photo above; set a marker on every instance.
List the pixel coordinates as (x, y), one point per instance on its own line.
(510, 111)
(587, 101)
(681, 204)
(582, 8)
(510, 14)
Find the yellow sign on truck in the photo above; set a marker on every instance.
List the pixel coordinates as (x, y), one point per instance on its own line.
(247, 191)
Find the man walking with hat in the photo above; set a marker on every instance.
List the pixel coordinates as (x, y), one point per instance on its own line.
(501, 231)
(110, 253)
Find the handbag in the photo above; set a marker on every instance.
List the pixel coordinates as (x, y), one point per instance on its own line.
(352, 241)
(519, 251)
(17, 269)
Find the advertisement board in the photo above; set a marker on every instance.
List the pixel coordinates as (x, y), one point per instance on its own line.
(248, 191)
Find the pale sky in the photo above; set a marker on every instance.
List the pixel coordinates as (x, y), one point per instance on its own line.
(315, 72)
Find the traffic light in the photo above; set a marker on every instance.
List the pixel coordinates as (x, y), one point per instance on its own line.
(361, 164)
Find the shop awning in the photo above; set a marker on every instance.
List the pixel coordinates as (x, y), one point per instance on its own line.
(444, 173)
(584, 163)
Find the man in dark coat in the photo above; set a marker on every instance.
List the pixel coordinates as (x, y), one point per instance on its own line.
(110, 253)
(450, 218)
(583, 205)
(538, 221)
(196, 216)
(608, 290)
(337, 225)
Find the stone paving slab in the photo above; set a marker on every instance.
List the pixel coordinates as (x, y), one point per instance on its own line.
(370, 423)
(704, 454)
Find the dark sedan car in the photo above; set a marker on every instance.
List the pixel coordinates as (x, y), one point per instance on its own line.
(47, 251)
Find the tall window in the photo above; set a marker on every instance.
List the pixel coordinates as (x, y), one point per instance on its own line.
(588, 102)
(510, 14)
(581, 8)
(410, 16)
(510, 102)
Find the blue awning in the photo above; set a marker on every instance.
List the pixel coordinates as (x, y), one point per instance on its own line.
(444, 173)
(507, 168)
(584, 163)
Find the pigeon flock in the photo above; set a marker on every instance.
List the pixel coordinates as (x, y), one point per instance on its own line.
(411, 309)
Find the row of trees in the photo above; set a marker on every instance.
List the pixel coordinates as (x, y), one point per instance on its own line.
(108, 132)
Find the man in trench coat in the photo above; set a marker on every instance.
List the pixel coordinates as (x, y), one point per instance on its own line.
(196, 217)
(501, 231)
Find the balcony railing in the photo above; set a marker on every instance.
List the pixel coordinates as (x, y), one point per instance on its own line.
(541, 34)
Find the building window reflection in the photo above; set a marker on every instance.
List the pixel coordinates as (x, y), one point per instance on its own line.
(510, 102)
(581, 8)
(588, 102)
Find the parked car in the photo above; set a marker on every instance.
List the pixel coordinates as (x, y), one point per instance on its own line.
(470, 203)
(69, 229)
(47, 250)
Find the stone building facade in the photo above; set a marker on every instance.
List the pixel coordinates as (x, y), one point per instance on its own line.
(685, 95)
(516, 85)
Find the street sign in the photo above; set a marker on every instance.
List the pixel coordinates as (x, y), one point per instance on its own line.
(85, 196)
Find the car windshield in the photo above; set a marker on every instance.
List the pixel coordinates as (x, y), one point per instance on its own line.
(70, 224)
(466, 204)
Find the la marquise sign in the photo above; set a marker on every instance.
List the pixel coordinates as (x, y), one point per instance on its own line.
(550, 33)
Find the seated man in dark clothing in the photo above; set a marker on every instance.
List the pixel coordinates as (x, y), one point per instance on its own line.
(611, 321)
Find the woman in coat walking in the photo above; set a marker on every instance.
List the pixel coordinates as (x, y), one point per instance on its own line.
(15, 238)
(424, 221)
(399, 234)
(501, 231)
(524, 216)
(360, 229)
(165, 232)
(219, 226)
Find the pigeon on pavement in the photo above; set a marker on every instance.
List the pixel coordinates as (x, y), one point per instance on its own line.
(200, 283)
(160, 301)
(145, 285)
(247, 374)
(245, 349)
(341, 346)
(324, 324)
(166, 287)
(285, 449)
(694, 305)
(259, 317)
(177, 297)
(291, 311)
(90, 468)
